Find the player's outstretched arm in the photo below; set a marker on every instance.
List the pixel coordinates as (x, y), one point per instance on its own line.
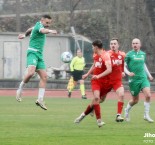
(89, 72)
(46, 31)
(27, 33)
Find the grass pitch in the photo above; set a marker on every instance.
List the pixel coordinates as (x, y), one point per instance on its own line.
(25, 123)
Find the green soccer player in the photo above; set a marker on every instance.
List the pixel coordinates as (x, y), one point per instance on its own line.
(137, 70)
(35, 61)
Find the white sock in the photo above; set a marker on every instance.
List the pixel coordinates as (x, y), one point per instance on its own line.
(21, 86)
(41, 94)
(128, 107)
(146, 108)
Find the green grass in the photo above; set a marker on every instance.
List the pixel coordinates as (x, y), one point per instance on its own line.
(26, 124)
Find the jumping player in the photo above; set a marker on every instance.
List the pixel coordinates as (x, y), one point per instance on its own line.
(99, 70)
(35, 61)
(137, 71)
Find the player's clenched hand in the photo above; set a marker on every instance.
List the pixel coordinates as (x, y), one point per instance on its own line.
(131, 74)
(151, 78)
(123, 74)
(95, 77)
(21, 36)
(84, 76)
(53, 31)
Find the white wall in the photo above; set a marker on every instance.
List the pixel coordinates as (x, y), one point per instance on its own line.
(55, 45)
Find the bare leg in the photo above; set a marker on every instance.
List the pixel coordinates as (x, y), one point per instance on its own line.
(42, 85)
(130, 104)
(147, 95)
(27, 77)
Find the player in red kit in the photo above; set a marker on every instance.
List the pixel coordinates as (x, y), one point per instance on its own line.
(117, 61)
(99, 70)
(115, 77)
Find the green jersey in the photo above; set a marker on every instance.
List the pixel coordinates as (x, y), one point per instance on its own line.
(37, 39)
(135, 63)
(77, 63)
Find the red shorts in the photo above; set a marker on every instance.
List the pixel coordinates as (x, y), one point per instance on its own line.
(105, 87)
(116, 84)
(101, 86)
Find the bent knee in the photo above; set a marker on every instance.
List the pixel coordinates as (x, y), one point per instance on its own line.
(44, 78)
(97, 100)
(135, 101)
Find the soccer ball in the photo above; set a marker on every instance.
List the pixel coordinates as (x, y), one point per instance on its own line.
(66, 57)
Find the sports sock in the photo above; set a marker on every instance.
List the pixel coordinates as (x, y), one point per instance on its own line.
(21, 86)
(88, 110)
(128, 107)
(70, 85)
(119, 107)
(97, 111)
(147, 107)
(41, 94)
(82, 88)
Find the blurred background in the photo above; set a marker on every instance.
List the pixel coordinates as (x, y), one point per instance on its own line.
(91, 19)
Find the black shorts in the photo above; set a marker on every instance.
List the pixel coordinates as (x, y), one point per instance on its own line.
(77, 75)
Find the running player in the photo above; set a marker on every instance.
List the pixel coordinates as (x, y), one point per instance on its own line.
(117, 61)
(100, 69)
(137, 71)
(114, 79)
(77, 66)
(35, 61)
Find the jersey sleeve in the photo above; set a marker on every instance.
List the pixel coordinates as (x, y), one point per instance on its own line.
(123, 55)
(40, 26)
(144, 57)
(127, 58)
(106, 58)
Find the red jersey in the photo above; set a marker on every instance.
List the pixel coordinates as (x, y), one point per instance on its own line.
(117, 61)
(100, 62)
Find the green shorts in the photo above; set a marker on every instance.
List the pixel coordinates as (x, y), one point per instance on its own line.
(35, 59)
(137, 85)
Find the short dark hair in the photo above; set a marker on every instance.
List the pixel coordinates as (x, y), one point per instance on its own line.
(46, 16)
(115, 39)
(98, 43)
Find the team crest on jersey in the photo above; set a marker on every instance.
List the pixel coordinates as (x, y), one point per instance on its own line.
(119, 57)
